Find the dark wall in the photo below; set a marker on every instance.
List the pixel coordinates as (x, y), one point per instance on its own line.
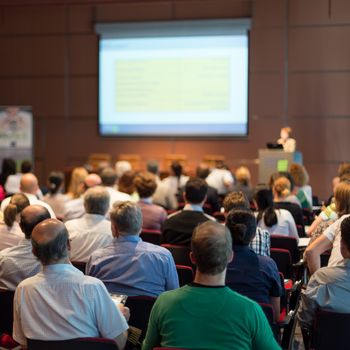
(299, 75)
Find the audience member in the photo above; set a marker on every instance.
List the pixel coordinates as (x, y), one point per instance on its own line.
(109, 180)
(329, 287)
(288, 143)
(330, 239)
(8, 168)
(76, 185)
(128, 265)
(243, 182)
(275, 221)
(179, 226)
(55, 197)
(261, 242)
(74, 208)
(29, 187)
(92, 231)
(126, 185)
(250, 274)
(200, 314)
(13, 182)
(221, 178)
(152, 166)
(153, 215)
(122, 166)
(18, 263)
(292, 198)
(10, 231)
(302, 188)
(66, 303)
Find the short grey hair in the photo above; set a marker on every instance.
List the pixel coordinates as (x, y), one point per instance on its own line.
(96, 200)
(127, 217)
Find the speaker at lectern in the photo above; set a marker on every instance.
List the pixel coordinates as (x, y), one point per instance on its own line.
(274, 160)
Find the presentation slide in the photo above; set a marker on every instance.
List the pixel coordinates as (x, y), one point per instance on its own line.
(175, 85)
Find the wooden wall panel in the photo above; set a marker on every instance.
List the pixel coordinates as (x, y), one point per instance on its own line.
(340, 11)
(81, 19)
(309, 12)
(269, 13)
(82, 97)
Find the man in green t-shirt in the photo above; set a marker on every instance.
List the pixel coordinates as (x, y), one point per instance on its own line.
(206, 314)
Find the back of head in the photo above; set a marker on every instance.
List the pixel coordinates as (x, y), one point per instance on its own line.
(264, 200)
(126, 182)
(219, 164)
(277, 175)
(344, 169)
(50, 241)
(55, 181)
(235, 200)
(342, 198)
(242, 225)
(108, 177)
(92, 180)
(17, 203)
(242, 175)
(281, 187)
(26, 166)
(121, 167)
(202, 171)
(152, 166)
(299, 174)
(8, 168)
(126, 218)
(77, 181)
(31, 216)
(145, 184)
(211, 247)
(345, 232)
(29, 183)
(176, 169)
(196, 190)
(96, 200)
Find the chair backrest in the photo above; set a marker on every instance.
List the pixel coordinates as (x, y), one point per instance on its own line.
(140, 310)
(185, 274)
(6, 310)
(285, 242)
(331, 331)
(80, 265)
(181, 254)
(73, 344)
(151, 236)
(283, 261)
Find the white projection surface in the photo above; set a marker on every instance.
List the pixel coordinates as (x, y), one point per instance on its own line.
(187, 78)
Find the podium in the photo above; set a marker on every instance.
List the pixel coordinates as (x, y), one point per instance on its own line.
(272, 161)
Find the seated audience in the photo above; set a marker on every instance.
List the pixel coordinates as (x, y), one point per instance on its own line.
(66, 303)
(92, 231)
(330, 239)
(153, 216)
(250, 274)
(243, 182)
(55, 198)
(29, 187)
(221, 178)
(8, 167)
(126, 185)
(281, 192)
(128, 265)
(275, 221)
(179, 226)
(152, 166)
(12, 184)
(109, 180)
(76, 185)
(302, 189)
(261, 242)
(291, 197)
(74, 208)
(18, 263)
(10, 231)
(329, 287)
(206, 314)
(122, 166)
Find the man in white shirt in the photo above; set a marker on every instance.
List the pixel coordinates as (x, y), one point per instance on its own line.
(29, 186)
(60, 302)
(18, 263)
(93, 230)
(221, 179)
(109, 179)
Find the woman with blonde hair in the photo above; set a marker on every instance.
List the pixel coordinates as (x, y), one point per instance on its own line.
(76, 185)
(243, 182)
(10, 231)
(302, 188)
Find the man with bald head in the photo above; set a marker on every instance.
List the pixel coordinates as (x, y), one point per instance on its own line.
(18, 263)
(29, 187)
(60, 302)
(214, 316)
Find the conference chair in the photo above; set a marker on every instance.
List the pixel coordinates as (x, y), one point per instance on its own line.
(140, 310)
(6, 310)
(283, 260)
(73, 344)
(80, 265)
(185, 274)
(285, 242)
(151, 236)
(181, 254)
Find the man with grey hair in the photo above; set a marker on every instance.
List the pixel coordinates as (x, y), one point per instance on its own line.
(93, 230)
(206, 314)
(128, 265)
(66, 303)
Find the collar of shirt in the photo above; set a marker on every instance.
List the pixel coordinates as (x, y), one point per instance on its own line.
(242, 248)
(25, 241)
(134, 238)
(54, 268)
(30, 196)
(94, 216)
(146, 200)
(193, 207)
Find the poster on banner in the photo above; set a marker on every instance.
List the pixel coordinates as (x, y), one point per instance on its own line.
(16, 127)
